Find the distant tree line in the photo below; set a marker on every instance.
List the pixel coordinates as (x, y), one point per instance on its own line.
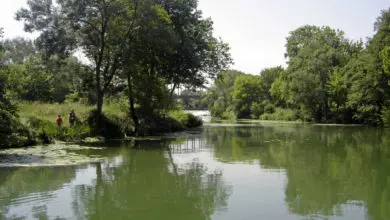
(329, 78)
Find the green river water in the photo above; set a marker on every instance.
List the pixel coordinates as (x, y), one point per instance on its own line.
(218, 172)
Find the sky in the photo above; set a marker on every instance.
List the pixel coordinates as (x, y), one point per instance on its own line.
(256, 30)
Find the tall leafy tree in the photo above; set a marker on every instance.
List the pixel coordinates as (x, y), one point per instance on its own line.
(220, 94)
(17, 50)
(198, 54)
(385, 55)
(172, 45)
(269, 76)
(370, 90)
(145, 58)
(313, 53)
(247, 90)
(56, 37)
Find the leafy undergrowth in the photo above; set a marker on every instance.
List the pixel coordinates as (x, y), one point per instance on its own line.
(280, 115)
(12, 132)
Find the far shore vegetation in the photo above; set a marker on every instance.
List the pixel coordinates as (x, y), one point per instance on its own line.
(328, 79)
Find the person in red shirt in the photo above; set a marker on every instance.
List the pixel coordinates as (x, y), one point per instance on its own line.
(59, 121)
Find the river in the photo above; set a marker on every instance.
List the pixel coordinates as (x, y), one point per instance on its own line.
(237, 171)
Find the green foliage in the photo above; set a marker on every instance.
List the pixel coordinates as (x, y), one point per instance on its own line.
(269, 108)
(328, 79)
(49, 112)
(41, 118)
(385, 56)
(111, 125)
(197, 52)
(187, 120)
(48, 130)
(268, 77)
(279, 91)
(12, 132)
(313, 53)
(136, 48)
(257, 109)
(17, 50)
(386, 116)
(33, 81)
(229, 114)
(280, 114)
(175, 120)
(220, 94)
(179, 116)
(365, 95)
(246, 90)
(193, 121)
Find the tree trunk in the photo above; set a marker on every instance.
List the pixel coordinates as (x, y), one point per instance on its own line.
(99, 91)
(99, 104)
(326, 109)
(99, 108)
(133, 114)
(172, 91)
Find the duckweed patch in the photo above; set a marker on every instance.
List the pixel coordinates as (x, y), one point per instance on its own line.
(59, 154)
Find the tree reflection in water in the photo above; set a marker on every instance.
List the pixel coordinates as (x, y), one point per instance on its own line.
(144, 187)
(328, 168)
(329, 171)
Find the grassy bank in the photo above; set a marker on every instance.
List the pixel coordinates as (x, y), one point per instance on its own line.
(40, 118)
(49, 112)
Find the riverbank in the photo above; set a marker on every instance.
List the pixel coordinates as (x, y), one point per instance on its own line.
(40, 120)
(241, 122)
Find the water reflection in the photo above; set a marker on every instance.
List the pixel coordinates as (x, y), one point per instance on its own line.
(27, 192)
(331, 171)
(144, 187)
(131, 184)
(286, 171)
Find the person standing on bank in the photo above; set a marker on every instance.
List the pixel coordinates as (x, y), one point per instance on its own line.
(59, 122)
(72, 118)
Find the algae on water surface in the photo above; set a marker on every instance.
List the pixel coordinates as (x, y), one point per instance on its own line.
(59, 154)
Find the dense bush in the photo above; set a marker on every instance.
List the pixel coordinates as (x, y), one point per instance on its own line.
(111, 127)
(229, 114)
(386, 116)
(256, 110)
(193, 121)
(281, 115)
(175, 120)
(12, 132)
(186, 120)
